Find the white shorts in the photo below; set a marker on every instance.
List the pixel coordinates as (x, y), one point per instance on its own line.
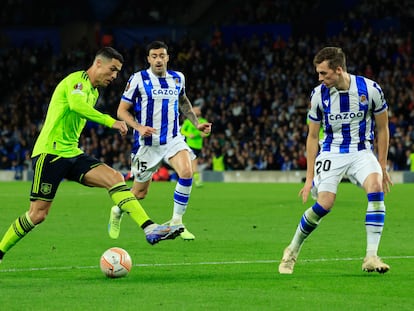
(331, 168)
(149, 158)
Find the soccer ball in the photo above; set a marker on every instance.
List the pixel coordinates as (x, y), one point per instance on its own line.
(115, 262)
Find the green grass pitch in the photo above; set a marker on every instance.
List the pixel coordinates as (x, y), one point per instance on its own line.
(241, 231)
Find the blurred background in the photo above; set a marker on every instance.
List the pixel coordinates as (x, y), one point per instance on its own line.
(247, 63)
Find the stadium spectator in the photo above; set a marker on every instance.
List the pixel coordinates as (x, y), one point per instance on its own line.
(344, 151)
(230, 75)
(410, 159)
(218, 161)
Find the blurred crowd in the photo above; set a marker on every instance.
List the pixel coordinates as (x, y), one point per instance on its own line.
(254, 90)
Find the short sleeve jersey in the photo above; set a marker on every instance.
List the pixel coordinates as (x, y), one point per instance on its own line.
(347, 117)
(155, 103)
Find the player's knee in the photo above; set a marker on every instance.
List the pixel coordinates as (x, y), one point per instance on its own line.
(373, 185)
(326, 199)
(38, 211)
(118, 177)
(39, 220)
(186, 173)
(114, 178)
(37, 216)
(139, 194)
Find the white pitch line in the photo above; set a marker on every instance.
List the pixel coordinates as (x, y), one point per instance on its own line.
(237, 262)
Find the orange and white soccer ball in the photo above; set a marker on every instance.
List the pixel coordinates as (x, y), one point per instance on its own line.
(115, 262)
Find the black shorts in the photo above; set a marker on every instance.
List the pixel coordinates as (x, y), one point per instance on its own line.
(50, 170)
(197, 152)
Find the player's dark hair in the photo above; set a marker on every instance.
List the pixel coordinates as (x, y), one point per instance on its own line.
(109, 52)
(334, 55)
(154, 45)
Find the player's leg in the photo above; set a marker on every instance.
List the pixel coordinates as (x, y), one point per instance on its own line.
(24, 224)
(106, 177)
(153, 232)
(97, 174)
(142, 169)
(139, 170)
(181, 163)
(48, 172)
(126, 201)
(326, 182)
(140, 189)
(196, 173)
(307, 224)
(365, 171)
(374, 224)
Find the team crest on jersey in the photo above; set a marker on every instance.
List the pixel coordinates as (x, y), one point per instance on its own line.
(177, 81)
(363, 99)
(78, 86)
(46, 188)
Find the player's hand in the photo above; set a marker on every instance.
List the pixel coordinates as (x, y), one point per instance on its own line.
(146, 131)
(121, 126)
(304, 192)
(204, 127)
(386, 181)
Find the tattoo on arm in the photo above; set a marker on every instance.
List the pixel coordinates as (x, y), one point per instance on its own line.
(186, 109)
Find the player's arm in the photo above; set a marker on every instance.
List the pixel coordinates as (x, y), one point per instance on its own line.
(312, 149)
(383, 136)
(78, 104)
(187, 109)
(77, 100)
(204, 134)
(124, 114)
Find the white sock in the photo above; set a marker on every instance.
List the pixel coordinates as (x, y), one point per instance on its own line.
(309, 221)
(181, 196)
(374, 222)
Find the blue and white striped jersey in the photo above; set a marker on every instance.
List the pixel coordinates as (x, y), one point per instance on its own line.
(347, 117)
(155, 102)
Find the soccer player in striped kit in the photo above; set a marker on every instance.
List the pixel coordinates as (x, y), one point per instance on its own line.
(156, 96)
(347, 107)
